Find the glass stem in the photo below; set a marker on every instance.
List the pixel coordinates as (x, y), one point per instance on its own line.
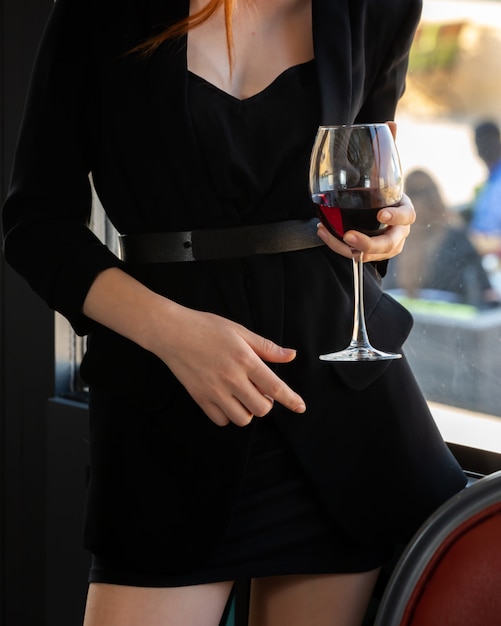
(359, 336)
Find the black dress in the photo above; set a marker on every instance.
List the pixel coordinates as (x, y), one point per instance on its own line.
(279, 525)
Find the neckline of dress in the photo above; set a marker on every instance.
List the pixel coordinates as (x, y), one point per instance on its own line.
(258, 94)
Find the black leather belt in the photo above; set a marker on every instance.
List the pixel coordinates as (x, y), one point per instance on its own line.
(222, 243)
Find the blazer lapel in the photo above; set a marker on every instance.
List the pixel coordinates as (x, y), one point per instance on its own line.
(172, 107)
(333, 54)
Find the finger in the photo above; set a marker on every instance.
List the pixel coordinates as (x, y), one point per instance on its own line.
(268, 350)
(232, 411)
(276, 389)
(215, 414)
(402, 214)
(263, 386)
(257, 402)
(393, 128)
(333, 242)
(383, 246)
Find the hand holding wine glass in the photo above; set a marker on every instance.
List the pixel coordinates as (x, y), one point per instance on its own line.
(355, 172)
(390, 242)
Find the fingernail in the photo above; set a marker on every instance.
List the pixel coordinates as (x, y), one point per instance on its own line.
(351, 240)
(385, 216)
(321, 231)
(301, 408)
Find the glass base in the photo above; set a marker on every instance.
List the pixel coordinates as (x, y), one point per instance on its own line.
(358, 354)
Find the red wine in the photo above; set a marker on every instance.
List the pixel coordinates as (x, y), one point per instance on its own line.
(351, 209)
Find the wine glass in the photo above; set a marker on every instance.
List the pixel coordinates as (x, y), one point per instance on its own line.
(354, 172)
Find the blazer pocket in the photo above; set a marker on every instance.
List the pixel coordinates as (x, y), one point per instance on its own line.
(388, 326)
(115, 364)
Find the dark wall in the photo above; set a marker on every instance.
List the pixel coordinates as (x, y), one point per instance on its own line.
(26, 357)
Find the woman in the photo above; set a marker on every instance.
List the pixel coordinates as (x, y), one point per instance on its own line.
(198, 143)
(439, 261)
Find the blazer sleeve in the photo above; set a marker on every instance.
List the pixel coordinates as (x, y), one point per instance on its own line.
(387, 81)
(47, 211)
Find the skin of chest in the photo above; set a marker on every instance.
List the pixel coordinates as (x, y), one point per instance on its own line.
(268, 38)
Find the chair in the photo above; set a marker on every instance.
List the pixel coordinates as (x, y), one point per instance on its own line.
(450, 573)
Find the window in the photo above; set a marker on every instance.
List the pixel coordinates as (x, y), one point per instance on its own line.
(69, 347)
(454, 83)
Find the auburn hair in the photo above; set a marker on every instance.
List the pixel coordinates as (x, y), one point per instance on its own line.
(181, 27)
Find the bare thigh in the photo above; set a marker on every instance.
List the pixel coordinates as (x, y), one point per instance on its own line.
(119, 605)
(322, 600)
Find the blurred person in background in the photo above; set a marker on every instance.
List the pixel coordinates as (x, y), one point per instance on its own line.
(485, 225)
(439, 261)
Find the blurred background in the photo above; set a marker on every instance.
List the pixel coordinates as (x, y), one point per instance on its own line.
(454, 84)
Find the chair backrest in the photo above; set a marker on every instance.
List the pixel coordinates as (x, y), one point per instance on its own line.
(450, 573)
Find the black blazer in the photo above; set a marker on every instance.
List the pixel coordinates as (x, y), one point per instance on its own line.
(92, 109)
(163, 477)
